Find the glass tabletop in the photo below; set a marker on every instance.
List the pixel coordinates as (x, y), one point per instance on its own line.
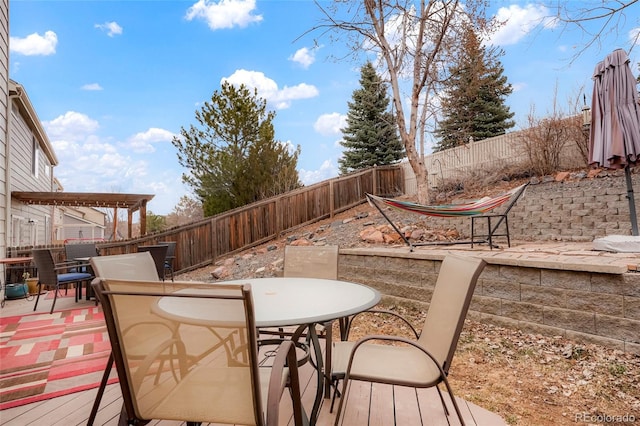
(285, 301)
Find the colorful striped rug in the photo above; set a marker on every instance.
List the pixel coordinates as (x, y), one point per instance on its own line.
(46, 355)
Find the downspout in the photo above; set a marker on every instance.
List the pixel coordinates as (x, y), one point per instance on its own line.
(7, 158)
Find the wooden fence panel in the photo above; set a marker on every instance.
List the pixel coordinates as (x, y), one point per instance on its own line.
(200, 243)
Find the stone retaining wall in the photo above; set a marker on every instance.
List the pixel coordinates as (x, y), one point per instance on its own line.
(566, 211)
(592, 307)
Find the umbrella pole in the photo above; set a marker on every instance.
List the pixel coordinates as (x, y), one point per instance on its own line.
(632, 202)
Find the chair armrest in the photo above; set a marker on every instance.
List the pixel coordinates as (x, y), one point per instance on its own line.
(385, 312)
(285, 357)
(68, 264)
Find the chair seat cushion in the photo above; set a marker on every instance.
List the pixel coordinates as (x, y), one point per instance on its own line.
(403, 365)
(73, 276)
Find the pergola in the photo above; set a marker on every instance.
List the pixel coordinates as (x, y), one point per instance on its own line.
(131, 202)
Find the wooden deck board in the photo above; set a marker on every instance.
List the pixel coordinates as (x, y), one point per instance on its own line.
(74, 409)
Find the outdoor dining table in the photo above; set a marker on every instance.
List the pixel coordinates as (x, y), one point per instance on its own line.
(284, 302)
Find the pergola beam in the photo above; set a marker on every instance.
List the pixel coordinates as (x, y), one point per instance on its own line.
(131, 202)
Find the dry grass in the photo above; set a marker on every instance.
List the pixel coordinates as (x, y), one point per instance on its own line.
(532, 379)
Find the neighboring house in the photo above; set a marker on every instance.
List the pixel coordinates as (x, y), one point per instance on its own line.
(77, 223)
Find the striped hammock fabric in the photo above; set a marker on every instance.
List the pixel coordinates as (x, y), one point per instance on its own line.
(473, 208)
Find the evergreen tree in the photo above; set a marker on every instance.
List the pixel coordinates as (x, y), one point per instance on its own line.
(371, 136)
(474, 102)
(232, 156)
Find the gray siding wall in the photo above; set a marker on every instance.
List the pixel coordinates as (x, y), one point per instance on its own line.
(4, 106)
(34, 221)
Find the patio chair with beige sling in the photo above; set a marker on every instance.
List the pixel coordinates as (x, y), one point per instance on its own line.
(225, 387)
(143, 329)
(308, 262)
(420, 363)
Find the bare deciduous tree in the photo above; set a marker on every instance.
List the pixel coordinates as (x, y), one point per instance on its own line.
(545, 138)
(187, 210)
(606, 16)
(412, 41)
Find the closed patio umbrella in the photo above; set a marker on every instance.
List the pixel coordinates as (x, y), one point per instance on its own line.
(614, 141)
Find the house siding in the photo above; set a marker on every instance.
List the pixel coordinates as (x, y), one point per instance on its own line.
(4, 107)
(25, 216)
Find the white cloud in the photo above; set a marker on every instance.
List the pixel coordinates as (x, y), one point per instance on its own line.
(330, 124)
(92, 87)
(268, 89)
(72, 126)
(305, 57)
(327, 170)
(34, 44)
(142, 142)
(518, 22)
(224, 13)
(111, 28)
(89, 163)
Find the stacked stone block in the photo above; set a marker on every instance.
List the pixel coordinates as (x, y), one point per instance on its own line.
(582, 304)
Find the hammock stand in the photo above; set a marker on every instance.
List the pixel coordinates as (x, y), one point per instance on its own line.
(476, 210)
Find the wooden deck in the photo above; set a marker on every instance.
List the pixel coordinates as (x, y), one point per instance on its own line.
(367, 405)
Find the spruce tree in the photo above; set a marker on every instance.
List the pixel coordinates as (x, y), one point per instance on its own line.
(232, 156)
(370, 137)
(473, 105)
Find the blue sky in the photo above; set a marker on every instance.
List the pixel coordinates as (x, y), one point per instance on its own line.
(113, 81)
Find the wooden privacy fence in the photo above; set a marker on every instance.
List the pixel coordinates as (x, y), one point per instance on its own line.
(200, 243)
(487, 154)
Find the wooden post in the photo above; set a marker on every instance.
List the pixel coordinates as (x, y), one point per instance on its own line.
(143, 218)
(129, 223)
(115, 224)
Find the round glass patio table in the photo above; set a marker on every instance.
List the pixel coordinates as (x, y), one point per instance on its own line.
(281, 302)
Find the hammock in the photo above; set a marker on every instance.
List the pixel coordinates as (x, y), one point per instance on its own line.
(473, 208)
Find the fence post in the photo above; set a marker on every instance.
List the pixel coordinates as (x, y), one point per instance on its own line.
(331, 199)
(375, 179)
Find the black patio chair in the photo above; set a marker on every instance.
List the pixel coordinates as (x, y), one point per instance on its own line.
(57, 276)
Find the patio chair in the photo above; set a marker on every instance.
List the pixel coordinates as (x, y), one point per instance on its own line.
(158, 253)
(420, 363)
(56, 276)
(226, 387)
(145, 336)
(170, 257)
(314, 262)
(76, 251)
